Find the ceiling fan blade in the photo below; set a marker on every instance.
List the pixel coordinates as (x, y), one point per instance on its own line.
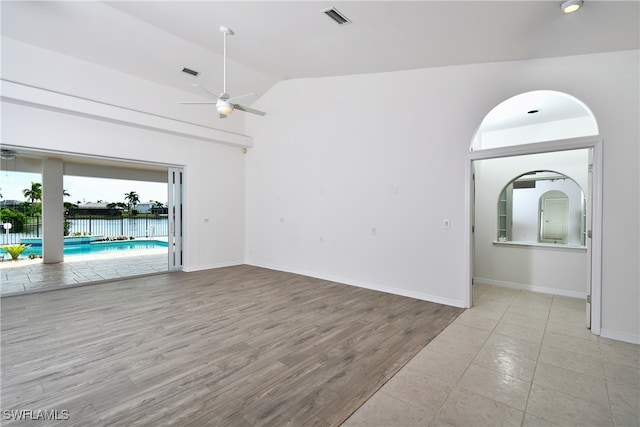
(248, 110)
(205, 90)
(223, 102)
(235, 99)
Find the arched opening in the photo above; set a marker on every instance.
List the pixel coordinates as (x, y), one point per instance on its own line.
(537, 116)
(536, 131)
(542, 206)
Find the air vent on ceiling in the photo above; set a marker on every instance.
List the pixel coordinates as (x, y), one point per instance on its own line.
(336, 15)
(188, 71)
(524, 184)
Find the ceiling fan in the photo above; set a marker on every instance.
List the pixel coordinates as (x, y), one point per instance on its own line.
(224, 103)
(7, 154)
(11, 154)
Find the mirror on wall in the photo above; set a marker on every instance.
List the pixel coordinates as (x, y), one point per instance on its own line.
(542, 207)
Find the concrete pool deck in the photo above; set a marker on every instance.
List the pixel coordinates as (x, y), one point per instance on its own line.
(31, 275)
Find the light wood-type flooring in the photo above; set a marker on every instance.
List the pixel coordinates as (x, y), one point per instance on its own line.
(236, 346)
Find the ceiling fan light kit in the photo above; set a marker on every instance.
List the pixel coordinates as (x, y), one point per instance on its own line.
(226, 105)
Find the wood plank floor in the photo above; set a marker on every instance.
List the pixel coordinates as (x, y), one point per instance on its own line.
(236, 346)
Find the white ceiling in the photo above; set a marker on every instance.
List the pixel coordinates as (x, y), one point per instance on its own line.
(293, 39)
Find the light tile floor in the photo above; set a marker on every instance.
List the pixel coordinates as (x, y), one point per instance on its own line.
(26, 275)
(516, 358)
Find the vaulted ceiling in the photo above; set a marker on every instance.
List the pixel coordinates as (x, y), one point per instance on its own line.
(280, 40)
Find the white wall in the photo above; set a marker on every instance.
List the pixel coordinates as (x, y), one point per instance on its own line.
(558, 270)
(41, 68)
(334, 162)
(338, 156)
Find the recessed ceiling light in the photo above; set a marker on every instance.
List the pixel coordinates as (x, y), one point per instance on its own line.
(337, 16)
(571, 6)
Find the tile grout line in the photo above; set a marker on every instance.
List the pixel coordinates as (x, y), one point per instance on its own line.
(535, 368)
(470, 363)
(606, 383)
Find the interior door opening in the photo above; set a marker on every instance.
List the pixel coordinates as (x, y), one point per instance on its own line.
(512, 129)
(592, 184)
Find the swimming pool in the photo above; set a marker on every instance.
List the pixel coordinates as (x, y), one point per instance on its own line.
(103, 247)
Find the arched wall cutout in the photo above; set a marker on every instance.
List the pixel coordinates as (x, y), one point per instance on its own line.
(520, 211)
(536, 116)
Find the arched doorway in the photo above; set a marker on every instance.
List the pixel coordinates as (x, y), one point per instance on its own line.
(536, 131)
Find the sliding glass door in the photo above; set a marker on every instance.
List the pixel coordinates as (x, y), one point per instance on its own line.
(175, 180)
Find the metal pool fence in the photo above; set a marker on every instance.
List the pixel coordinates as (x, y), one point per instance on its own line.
(109, 226)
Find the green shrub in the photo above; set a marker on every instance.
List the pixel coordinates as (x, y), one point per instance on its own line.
(18, 219)
(14, 250)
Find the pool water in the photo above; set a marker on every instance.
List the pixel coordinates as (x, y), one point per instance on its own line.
(103, 247)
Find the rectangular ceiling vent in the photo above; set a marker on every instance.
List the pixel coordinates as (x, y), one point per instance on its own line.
(188, 71)
(336, 15)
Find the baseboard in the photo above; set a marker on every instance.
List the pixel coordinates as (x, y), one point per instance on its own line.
(366, 285)
(532, 288)
(210, 266)
(620, 336)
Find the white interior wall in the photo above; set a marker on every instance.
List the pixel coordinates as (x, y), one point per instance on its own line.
(41, 68)
(340, 156)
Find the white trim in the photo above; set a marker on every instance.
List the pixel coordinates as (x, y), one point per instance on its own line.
(545, 246)
(188, 269)
(468, 232)
(45, 99)
(176, 206)
(536, 148)
(596, 241)
(532, 288)
(620, 336)
(366, 285)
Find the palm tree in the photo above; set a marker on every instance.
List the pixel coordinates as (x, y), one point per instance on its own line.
(34, 193)
(132, 199)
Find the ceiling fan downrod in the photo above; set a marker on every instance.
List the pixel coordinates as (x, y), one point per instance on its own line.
(226, 31)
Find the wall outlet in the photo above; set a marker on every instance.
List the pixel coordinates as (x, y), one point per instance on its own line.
(446, 223)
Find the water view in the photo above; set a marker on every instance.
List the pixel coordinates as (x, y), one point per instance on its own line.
(103, 247)
(107, 227)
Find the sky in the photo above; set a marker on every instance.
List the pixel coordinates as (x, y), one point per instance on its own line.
(84, 189)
